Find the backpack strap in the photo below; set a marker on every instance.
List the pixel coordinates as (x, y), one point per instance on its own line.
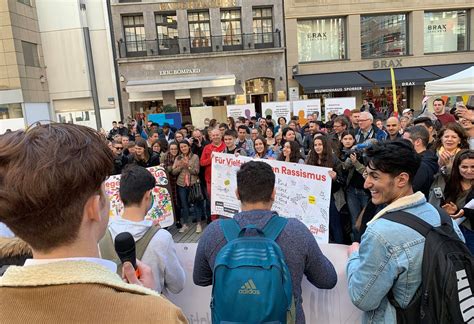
(107, 249)
(142, 243)
(230, 228)
(274, 226)
(409, 220)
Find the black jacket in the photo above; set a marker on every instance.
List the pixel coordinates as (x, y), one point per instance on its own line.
(424, 177)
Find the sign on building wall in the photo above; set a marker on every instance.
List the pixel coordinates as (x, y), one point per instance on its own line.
(162, 209)
(321, 39)
(302, 191)
(277, 110)
(237, 111)
(338, 106)
(303, 108)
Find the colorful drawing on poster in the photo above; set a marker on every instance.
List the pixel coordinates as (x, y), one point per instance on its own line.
(162, 209)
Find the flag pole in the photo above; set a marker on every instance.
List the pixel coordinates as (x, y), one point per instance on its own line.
(394, 93)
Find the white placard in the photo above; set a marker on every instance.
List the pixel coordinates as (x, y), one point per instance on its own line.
(303, 108)
(277, 109)
(331, 306)
(338, 106)
(237, 111)
(302, 191)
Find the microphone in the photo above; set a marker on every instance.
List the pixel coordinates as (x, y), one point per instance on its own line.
(125, 248)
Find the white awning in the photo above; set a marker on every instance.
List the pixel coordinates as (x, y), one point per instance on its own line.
(180, 83)
(145, 96)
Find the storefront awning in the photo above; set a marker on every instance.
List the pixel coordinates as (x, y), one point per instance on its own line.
(333, 82)
(403, 76)
(180, 83)
(447, 69)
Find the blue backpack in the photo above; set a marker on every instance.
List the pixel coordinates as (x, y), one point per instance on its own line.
(251, 281)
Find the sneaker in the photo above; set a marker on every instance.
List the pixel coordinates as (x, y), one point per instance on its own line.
(198, 228)
(183, 229)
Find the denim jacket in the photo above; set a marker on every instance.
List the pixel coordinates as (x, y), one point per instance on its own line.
(389, 257)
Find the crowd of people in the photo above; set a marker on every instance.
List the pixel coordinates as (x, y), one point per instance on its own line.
(423, 166)
(439, 138)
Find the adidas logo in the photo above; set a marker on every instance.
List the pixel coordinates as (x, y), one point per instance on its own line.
(249, 288)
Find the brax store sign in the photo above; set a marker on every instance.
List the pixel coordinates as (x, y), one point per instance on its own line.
(317, 36)
(437, 28)
(384, 64)
(180, 71)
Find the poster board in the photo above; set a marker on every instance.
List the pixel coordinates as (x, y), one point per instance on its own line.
(277, 110)
(201, 116)
(302, 191)
(237, 111)
(162, 208)
(174, 119)
(328, 306)
(303, 108)
(338, 106)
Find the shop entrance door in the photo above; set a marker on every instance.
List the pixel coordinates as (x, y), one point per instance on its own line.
(257, 100)
(183, 106)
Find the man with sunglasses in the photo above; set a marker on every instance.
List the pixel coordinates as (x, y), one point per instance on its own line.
(120, 160)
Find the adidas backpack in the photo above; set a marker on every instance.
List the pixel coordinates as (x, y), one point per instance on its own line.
(445, 294)
(251, 281)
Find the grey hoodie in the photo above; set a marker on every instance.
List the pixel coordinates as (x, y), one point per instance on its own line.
(160, 254)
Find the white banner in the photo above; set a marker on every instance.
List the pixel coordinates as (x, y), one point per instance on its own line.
(303, 108)
(162, 208)
(320, 305)
(338, 106)
(237, 111)
(302, 191)
(277, 109)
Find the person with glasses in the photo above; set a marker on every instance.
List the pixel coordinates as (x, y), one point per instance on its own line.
(120, 160)
(367, 130)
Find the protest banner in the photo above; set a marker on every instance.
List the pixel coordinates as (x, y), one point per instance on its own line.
(331, 306)
(303, 108)
(302, 191)
(277, 110)
(338, 106)
(162, 208)
(237, 111)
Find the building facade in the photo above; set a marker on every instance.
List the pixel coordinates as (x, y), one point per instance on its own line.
(24, 96)
(180, 54)
(343, 48)
(80, 66)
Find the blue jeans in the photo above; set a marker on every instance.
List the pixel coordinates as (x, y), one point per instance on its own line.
(356, 201)
(183, 194)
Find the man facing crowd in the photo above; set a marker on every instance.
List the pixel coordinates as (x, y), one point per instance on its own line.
(390, 254)
(392, 124)
(256, 192)
(440, 112)
(56, 203)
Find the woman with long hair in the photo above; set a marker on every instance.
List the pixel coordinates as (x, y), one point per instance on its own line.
(291, 153)
(321, 154)
(231, 123)
(262, 150)
(451, 139)
(186, 168)
(457, 189)
(167, 162)
(143, 156)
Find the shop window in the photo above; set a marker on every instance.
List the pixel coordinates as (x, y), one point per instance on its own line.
(26, 2)
(167, 32)
(30, 54)
(262, 27)
(199, 31)
(8, 111)
(383, 99)
(231, 29)
(445, 31)
(134, 30)
(321, 39)
(383, 35)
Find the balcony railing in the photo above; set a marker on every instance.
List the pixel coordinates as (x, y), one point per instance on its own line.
(205, 44)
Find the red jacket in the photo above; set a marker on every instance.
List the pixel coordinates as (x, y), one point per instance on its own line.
(206, 159)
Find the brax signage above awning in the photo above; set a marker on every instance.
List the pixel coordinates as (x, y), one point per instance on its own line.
(356, 81)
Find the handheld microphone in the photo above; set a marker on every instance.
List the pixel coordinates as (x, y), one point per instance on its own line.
(125, 248)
